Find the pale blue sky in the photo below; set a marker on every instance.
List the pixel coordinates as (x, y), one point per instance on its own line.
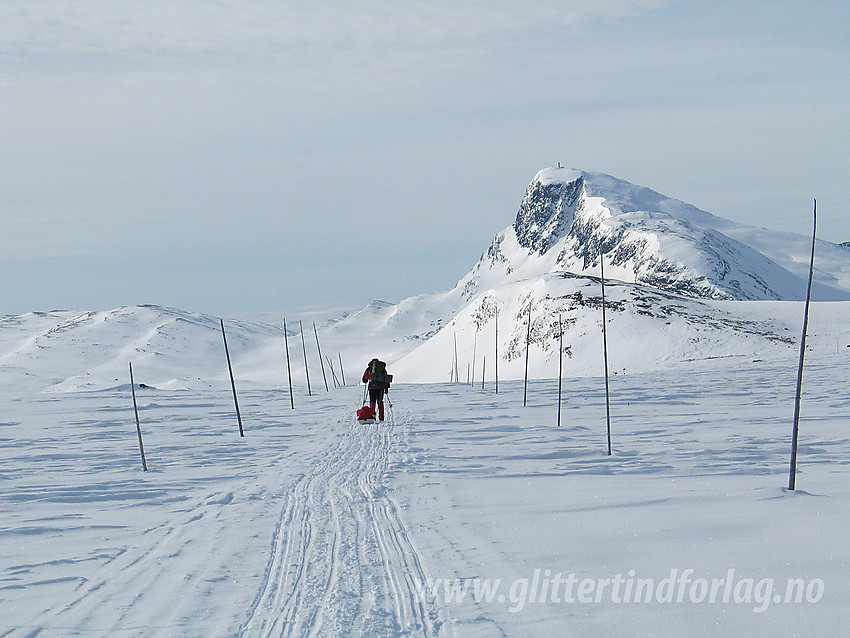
(234, 156)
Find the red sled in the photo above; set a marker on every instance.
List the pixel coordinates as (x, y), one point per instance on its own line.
(366, 413)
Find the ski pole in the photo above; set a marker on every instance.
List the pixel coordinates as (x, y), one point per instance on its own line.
(390, 404)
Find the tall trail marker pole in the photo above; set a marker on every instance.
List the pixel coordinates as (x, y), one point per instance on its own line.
(138, 426)
(457, 374)
(560, 365)
(232, 380)
(341, 370)
(474, 345)
(336, 382)
(288, 366)
(605, 349)
(319, 348)
(483, 370)
(792, 476)
(527, 348)
(497, 351)
(306, 365)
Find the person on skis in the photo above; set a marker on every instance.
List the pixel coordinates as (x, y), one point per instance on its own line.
(379, 383)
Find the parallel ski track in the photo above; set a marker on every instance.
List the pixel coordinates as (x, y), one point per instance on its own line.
(341, 560)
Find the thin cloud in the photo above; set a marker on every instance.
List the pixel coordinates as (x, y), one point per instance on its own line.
(295, 133)
(165, 29)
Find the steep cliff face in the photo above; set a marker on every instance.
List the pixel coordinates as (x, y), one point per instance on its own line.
(547, 213)
(569, 218)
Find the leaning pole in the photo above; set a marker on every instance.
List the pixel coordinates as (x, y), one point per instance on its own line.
(232, 380)
(304, 349)
(138, 425)
(792, 475)
(319, 349)
(288, 365)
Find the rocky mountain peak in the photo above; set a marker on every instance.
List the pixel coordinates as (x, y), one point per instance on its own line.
(547, 212)
(568, 218)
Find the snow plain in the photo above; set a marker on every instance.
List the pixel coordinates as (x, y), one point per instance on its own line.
(464, 514)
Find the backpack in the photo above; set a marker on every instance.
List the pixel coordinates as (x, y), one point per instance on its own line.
(379, 377)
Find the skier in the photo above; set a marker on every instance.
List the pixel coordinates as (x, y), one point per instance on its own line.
(379, 383)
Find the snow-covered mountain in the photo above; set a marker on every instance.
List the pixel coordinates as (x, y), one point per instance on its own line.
(568, 217)
(680, 274)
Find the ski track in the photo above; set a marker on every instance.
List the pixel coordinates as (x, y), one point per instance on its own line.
(341, 560)
(124, 579)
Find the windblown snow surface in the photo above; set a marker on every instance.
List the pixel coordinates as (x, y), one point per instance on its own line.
(463, 514)
(472, 510)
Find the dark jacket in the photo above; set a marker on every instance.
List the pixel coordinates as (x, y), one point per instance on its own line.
(378, 380)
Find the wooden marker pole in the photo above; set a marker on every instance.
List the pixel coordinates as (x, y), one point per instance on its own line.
(232, 380)
(306, 365)
(333, 373)
(341, 370)
(288, 366)
(497, 351)
(138, 426)
(527, 348)
(605, 350)
(560, 365)
(792, 477)
(319, 348)
(457, 374)
(474, 345)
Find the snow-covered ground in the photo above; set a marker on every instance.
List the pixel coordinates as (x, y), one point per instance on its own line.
(464, 514)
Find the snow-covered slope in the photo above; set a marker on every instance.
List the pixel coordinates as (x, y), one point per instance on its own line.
(68, 351)
(648, 329)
